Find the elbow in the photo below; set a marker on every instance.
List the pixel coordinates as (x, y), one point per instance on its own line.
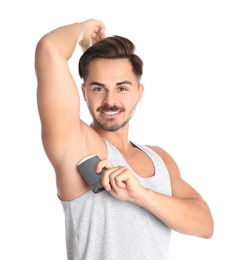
(41, 52)
(208, 229)
(207, 224)
(46, 53)
(43, 46)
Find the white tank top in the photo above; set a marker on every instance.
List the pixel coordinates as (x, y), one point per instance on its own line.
(100, 227)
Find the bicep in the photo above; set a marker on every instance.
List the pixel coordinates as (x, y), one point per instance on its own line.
(57, 94)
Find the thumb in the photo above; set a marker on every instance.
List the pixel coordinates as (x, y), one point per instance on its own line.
(103, 164)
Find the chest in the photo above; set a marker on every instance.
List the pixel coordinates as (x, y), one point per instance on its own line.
(140, 163)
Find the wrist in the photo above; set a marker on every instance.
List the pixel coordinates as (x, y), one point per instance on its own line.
(142, 197)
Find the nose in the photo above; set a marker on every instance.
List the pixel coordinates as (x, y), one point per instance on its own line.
(109, 98)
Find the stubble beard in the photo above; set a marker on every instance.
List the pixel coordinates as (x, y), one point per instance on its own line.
(110, 125)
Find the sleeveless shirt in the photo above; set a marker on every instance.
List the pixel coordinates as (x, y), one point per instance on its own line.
(100, 227)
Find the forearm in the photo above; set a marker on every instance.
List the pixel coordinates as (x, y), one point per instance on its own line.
(188, 216)
(63, 40)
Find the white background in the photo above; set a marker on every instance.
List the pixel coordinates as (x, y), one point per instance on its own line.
(188, 109)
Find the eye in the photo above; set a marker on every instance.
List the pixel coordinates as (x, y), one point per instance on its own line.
(121, 89)
(98, 89)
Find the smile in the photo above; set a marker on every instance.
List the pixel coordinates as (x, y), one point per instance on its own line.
(110, 112)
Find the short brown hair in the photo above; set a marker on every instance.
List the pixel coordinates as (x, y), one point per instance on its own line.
(113, 47)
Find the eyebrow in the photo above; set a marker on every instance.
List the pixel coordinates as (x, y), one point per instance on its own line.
(96, 84)
(123, 82)
(103, 85)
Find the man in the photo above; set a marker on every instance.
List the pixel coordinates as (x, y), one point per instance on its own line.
(145, 196)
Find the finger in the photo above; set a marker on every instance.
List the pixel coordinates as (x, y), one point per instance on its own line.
(100, 28)
(102, 31)
(99, 33)
(121, 179)
(117, 179)
(107, 178)
(95, 37)
(103, 164)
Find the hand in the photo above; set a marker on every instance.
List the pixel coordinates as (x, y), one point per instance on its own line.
(120, 182)
(94, 30)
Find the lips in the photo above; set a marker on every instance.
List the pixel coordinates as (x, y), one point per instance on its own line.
(110, 113)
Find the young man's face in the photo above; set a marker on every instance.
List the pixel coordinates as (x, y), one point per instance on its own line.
(111, 92)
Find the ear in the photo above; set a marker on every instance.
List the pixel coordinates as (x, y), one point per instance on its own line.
(83, 91)
(141, 91)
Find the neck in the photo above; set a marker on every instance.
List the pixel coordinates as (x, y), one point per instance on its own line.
(118, 138)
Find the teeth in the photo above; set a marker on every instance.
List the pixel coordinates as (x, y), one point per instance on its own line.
(111, 112)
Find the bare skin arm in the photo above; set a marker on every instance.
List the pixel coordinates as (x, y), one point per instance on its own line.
(65, 137)
(185, 211)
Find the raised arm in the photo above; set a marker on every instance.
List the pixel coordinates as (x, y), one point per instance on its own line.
(58, 97)
(64, 135)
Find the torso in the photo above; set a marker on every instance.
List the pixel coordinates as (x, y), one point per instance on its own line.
(92, 214)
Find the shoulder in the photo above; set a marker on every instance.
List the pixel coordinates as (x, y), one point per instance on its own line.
(169, 161)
